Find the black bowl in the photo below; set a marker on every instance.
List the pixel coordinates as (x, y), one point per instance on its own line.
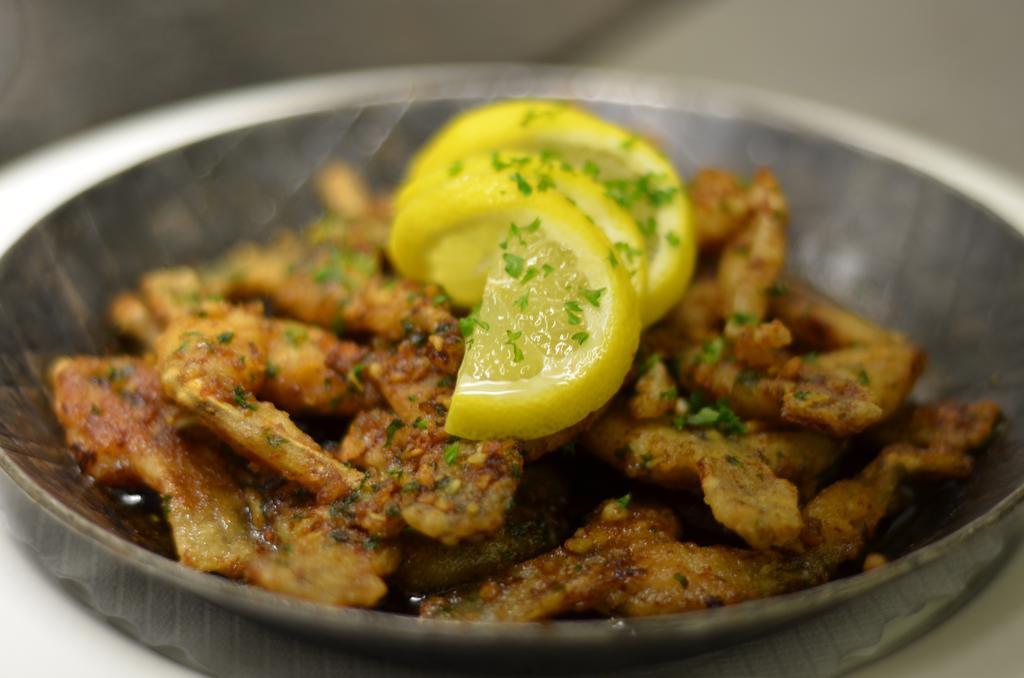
(879, 231)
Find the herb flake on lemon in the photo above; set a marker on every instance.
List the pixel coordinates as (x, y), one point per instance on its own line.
(631, 170)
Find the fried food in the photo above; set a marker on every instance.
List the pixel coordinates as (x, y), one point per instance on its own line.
(317, 552)
(744, 479)
(538, 521)
(211, 366)
(290, 406)
(723, 205)
(655, 393)
(123, 434)
(627, 560)
(447, 489)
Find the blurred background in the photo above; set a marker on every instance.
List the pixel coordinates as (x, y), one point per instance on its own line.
(946, 68)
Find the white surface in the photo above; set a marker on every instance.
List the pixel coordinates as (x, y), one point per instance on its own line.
(46, 633)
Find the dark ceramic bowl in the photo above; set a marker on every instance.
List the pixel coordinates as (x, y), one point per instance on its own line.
(904, 232)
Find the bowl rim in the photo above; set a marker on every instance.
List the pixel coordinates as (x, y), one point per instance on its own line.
(37, 184)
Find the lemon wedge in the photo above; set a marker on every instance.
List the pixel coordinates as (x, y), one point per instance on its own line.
(558, 323)
(632, 171)
(526, 173)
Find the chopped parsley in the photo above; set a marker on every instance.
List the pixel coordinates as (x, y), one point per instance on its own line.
(514, 264)
(522, 301)
(580, 337)
(627, 192)
(681, 578)
(471, 322)
(545, 182)
(392, 429)
(742, 319)
(225, 337)
(548, 269)
(295, 335)
(649, 362)
(705, 417)
(530, 274)
(451, 453)
(517, 354)
(533, 114)
(648, 227)
(420, 423)
(720, 416)
(627, 250)
(271, 370)
(801, 395)
(274, 440)
(522, 184)
(242, 398)
(670, 394)
(672, 239)
(711, 351)
(728, 422)
(455, 168)
(590, 168)
(625, 499)
(862, 377)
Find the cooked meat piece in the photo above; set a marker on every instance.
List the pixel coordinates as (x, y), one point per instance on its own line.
(134, 320)
(887, 370)
(211, 366)
(537, 522)
(695, 319)
(655, 393)
(627, 560)
(819, 323)
(944, 424)
(744, 479)
(316, 553)
(297, 376)
(722, 205)
(344, 191)
(839, 393)
(749, 266)
(761, 345)
(299, 380)
(799, 456)
(447, 489)
(338, 286)
(123, 434)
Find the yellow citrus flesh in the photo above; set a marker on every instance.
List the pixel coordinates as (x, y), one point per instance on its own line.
(526, 173)
(558, 322)
(632, 171)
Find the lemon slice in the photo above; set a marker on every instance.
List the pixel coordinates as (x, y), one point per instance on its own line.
(633, 172)
(526, 173)
(558, 322)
